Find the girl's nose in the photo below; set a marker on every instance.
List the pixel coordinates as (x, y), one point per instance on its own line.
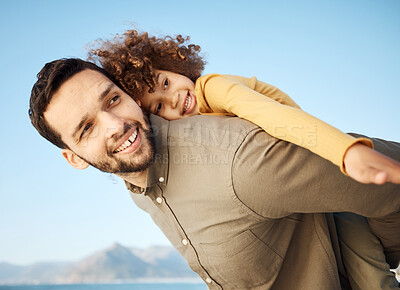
(174, 100)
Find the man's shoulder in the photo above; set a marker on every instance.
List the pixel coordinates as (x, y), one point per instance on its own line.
(222, 131)
(235, 123)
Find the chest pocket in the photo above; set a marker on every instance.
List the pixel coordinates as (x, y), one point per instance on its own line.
(242, 262)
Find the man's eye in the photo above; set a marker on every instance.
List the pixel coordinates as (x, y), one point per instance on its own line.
(86, 129)
(158, 109)
(114, 99)
(166, 83)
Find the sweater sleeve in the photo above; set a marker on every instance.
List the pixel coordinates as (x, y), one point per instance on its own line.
(275, 112)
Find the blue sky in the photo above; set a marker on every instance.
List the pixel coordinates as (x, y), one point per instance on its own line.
(339, 60)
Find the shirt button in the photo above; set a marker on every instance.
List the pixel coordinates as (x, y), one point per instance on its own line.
(185, 242)
(161, 179)
(208, 280)
(159, 200)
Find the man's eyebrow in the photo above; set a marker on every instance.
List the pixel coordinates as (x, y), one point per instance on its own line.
(86, 116)
(106, 92)
(77, 128)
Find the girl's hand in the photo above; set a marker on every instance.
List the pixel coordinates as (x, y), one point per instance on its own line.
(369, 166)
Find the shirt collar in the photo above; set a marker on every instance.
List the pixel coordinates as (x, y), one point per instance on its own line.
(157, 172)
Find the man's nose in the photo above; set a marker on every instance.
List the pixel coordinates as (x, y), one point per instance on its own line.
(111, 124)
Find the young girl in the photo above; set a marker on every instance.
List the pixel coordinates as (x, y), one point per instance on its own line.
(163, 75)
(147, 68)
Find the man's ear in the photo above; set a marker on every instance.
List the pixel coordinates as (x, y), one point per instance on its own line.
(74, 159)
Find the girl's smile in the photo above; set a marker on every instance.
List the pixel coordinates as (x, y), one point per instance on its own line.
(173, 97)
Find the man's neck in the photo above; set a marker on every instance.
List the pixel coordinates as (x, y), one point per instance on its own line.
(135, 178)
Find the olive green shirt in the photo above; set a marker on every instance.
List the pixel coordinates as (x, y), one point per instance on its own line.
(249, 211)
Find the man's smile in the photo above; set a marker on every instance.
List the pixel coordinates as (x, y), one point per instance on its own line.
(127, 144)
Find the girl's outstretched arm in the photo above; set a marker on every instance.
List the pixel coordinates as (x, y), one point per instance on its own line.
(281, 117)
(369, 166)
(275, 113)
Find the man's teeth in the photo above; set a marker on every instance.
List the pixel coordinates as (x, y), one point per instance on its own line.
(188, 102)
(128, 142)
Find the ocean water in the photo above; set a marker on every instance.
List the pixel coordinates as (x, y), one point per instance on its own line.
(135, 286)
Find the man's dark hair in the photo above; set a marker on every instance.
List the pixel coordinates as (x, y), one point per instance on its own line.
(50, 79)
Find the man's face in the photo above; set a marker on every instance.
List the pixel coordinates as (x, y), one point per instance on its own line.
(101, 124)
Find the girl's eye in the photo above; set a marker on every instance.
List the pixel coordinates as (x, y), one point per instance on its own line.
(114, 99)
(166, 83)
(158, 108)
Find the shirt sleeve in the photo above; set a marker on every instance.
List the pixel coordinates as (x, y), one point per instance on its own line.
(275, 112)
(276, 179)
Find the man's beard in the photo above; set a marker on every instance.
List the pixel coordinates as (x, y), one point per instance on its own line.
(140, 161)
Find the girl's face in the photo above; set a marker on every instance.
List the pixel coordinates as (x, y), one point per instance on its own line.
(173, 97)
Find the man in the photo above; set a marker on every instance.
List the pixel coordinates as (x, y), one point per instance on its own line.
(246, 210)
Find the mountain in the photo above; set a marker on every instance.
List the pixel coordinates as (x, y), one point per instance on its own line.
(9, 271)
(165, 260)
(36, 273)
(114, 264)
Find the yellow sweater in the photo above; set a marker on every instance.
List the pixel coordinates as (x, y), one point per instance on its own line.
(277, 114)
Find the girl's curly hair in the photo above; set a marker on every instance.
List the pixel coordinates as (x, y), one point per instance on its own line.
(132, 58)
